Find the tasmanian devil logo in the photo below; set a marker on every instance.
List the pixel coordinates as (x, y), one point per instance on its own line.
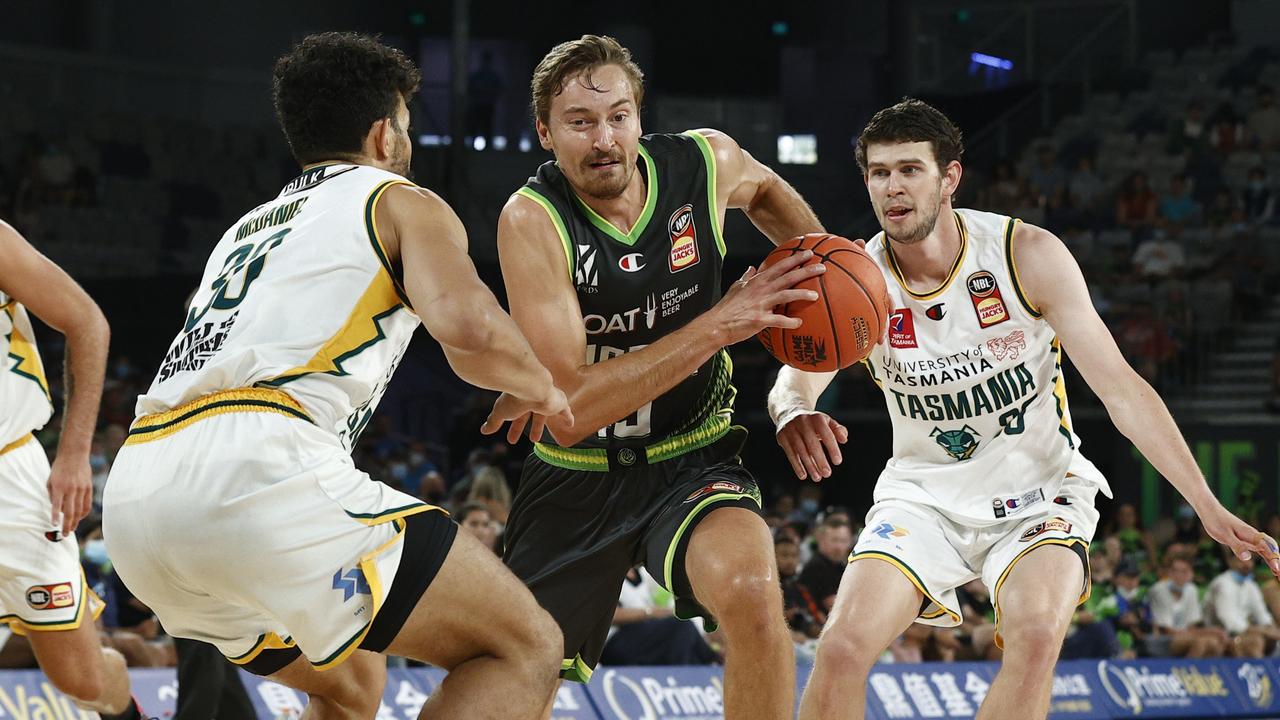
(959, 444)
(684, 240)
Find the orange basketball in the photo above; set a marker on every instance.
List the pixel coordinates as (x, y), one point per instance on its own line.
(847, 319)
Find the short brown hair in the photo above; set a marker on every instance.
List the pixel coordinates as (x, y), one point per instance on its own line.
(580, 57)
(912, 121)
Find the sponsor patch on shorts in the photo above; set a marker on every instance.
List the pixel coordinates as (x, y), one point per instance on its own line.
(1051, 525)
(51, 597)
(715, 487)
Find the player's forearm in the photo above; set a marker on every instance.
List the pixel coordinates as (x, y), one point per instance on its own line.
(796, 391)
(83, 371)
(487, 349)
(608, 391)
(1142, 417)
(780, 212)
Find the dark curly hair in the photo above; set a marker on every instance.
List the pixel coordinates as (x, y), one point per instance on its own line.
(331, 87)
(912, 121)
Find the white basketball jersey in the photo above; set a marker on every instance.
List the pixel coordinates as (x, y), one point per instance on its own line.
(298, 295)
(24, 391)
(972, 379)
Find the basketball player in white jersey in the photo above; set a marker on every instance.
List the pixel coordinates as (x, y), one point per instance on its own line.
(43, 594)
(234, 510)
(986, 479)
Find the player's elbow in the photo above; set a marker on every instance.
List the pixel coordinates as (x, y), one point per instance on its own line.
(89, 326)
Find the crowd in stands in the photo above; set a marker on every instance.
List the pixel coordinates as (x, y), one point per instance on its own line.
(1174, 248)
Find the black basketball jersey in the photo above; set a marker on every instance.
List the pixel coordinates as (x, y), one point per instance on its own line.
(637, 287)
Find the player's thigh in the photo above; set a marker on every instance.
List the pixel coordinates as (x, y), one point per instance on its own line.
(357, 683)
(68, 655)
(876, 602)
(1037, 595)
(474, 607)
(918, 544)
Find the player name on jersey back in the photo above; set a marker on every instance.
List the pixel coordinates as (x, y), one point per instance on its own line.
(298, 295)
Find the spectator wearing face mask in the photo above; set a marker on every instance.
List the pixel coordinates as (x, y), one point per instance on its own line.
(1234, 602)
(1258, 200)
(1177, 618)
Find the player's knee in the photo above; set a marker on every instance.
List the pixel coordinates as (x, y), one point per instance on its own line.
(538, 648)
(851, 653)
(1036, 641)
(745, 600)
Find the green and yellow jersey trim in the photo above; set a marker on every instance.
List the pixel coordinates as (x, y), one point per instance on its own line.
(709, 155)
(915, 580)
(265, 641)
(395, 513)
(576, 670)
(951, 274)
(17, 443)
(630, 237)
(1009, 229)
(361, 331)
(872, 371)
(557, 221)
(1060, 393)
(371, 227)
(22, 350)
(164, 424)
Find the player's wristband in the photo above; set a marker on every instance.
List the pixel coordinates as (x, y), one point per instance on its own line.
(790, 415)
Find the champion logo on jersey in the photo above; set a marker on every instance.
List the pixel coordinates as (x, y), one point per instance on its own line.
(587, 275)
(902, 329)
(936, 312)
(631, 263)
(684, 240)
(987, 301)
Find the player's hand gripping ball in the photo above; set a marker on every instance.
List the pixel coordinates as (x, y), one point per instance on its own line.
(848, 318)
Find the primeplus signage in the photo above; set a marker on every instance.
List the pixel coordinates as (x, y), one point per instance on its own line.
(648, 698)
(1136, 687)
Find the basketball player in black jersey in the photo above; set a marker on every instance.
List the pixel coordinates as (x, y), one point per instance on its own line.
(612, 259)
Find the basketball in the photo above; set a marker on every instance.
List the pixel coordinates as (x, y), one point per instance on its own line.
(846, 320)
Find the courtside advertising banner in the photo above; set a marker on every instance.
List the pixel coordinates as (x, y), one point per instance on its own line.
(1082, 690)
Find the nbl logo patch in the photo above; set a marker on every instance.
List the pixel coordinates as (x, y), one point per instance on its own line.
(51, 597)
(987, 301)
(684, 240)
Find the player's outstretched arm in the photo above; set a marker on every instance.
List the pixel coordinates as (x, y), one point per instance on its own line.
(51, 295)
(810, 439)
(775, 207)
(545, 306)
(481, 342)
(1056, 288)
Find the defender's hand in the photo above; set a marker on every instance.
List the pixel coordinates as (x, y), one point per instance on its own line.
(531, 413)
(70, 492)
(812, 443)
